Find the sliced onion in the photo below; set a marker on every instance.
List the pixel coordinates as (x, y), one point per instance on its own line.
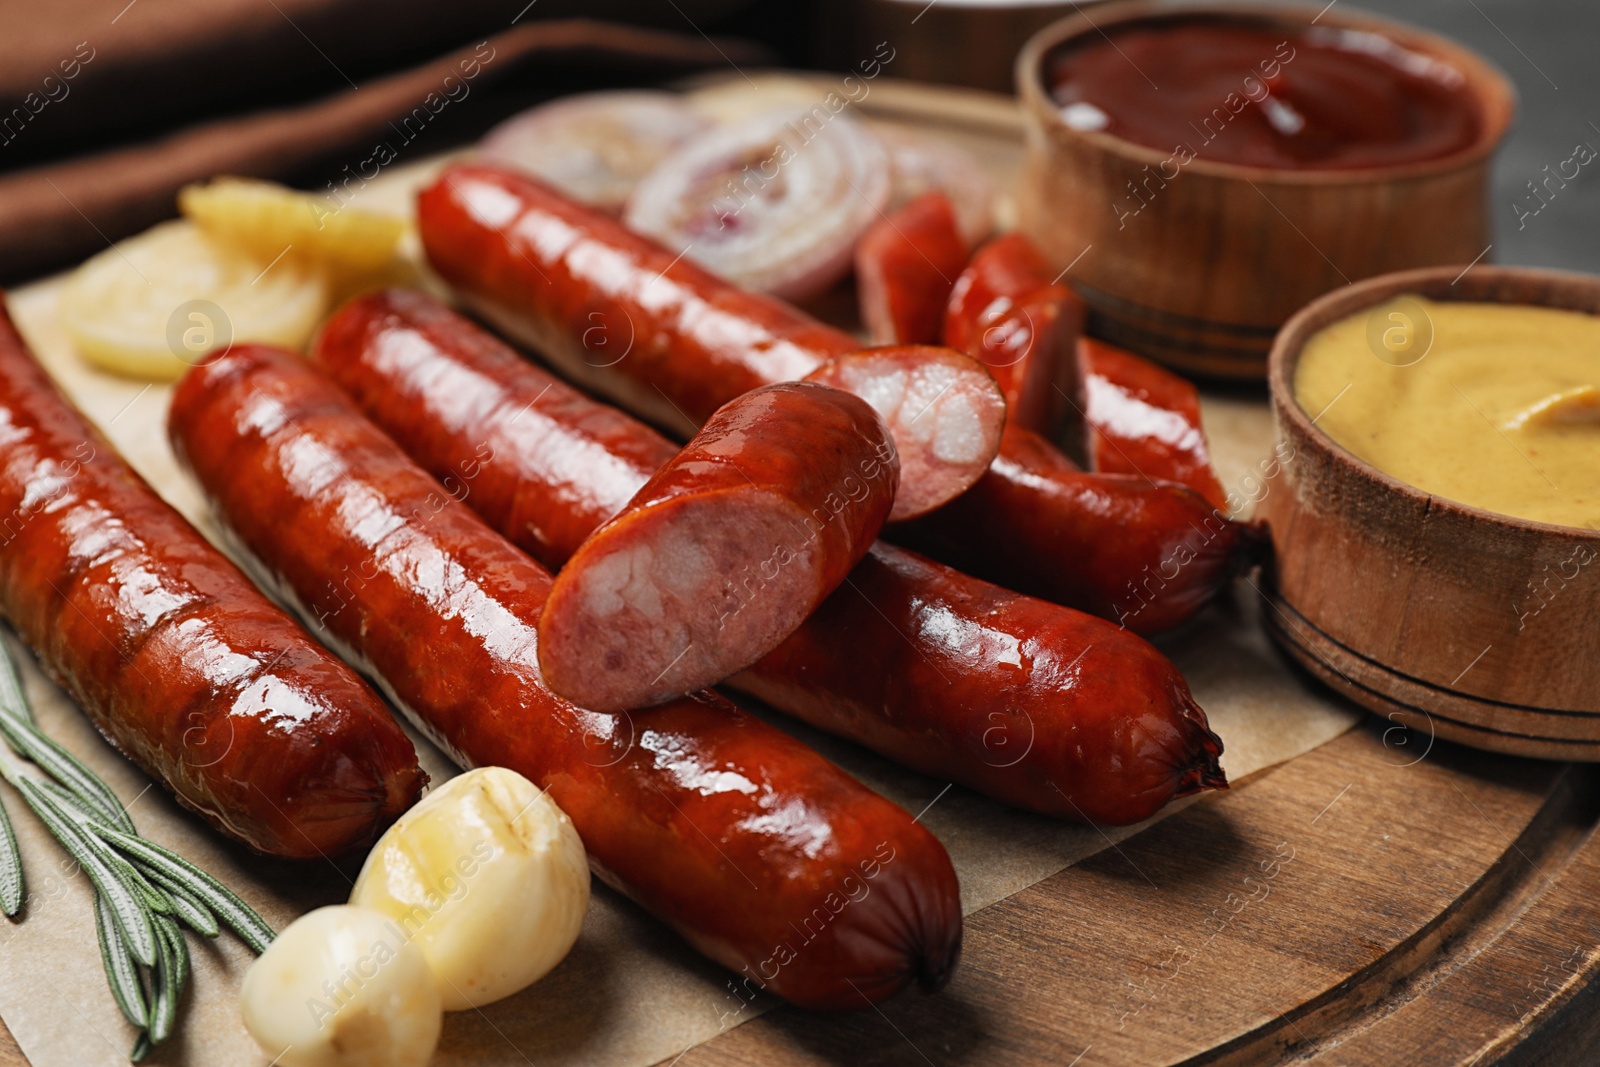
(774, 202)
(596, 146)
(920, 163)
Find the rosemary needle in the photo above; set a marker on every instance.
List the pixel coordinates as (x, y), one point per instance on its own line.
(142, 891)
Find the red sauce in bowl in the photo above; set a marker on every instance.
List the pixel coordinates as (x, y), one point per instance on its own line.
(1230, 91)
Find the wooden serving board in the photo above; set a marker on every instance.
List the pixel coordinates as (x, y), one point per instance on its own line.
(1387, 898)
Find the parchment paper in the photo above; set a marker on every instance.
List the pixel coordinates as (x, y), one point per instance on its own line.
(629, 994)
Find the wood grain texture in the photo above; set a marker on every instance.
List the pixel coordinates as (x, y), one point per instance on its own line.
(1204, 262)
(1355, 906)
(1447, 617)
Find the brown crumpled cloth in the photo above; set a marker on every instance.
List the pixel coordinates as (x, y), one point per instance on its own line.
(54, 214)
(164, 63)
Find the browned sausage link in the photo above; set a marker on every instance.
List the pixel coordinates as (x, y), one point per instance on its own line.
(177, 659)
(1147, 555)
(724, 552)
(761, 853)
(593, 458)
(1141, 418)
(918, 661)
(620, 315)
(1009, 311)
(906, 264)
(614, 312)
(1037, 705)
(560, 277)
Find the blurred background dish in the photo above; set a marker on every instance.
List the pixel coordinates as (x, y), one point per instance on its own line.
(1304, 149)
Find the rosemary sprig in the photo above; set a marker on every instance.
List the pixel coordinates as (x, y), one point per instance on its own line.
(142, 891)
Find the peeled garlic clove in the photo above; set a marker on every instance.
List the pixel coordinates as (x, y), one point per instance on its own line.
(775, 202)
(488, 878)
(342, 987)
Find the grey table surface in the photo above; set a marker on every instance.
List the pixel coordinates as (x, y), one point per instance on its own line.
(1550, 49)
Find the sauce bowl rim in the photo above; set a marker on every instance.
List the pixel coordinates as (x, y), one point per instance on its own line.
(1434, 283)
(1492, 90)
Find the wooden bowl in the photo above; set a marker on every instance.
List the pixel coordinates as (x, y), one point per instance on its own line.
(1202, 277)
(1417, 607)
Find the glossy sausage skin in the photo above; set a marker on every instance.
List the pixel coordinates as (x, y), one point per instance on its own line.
(1033, 704)
(762, 854)
(614, 312)
(176, 658)
(1143, 419)
(906, 263)
(618, 314)
(1144, 554)
(1125, 415)
(1007, 312)
(724, 552)
(537, 265)
(918, 661)
(485, 405)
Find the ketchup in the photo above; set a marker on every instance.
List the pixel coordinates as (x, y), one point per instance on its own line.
(1318, 98)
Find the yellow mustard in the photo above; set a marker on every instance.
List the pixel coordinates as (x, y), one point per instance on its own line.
(1492, 405)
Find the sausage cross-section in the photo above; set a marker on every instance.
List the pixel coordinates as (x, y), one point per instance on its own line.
(724, 552)
(1035, 704)
(760, 853)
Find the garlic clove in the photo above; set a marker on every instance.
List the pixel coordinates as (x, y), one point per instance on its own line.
(343, 987)
(488, 878)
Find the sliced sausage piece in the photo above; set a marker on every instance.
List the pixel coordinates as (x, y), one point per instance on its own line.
(906, 264)
(762, 854)
(177, 659)
(724, 552)
(944, 411)
(1007, 312)
(918, 661)
(1143, 419)
(627, 319)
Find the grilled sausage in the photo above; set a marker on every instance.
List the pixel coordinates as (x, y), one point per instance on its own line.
(1143, 419)
(763, 855)
(177, 659)
(591, 459)
(618, 314)
(1147, 555)
(906, 263)
(574, 285)
(1007, 312)
(1027, 701)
